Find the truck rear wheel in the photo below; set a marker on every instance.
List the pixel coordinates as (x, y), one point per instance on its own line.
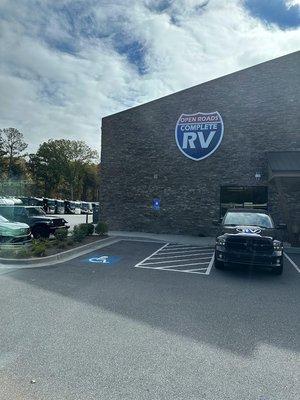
(41, 232)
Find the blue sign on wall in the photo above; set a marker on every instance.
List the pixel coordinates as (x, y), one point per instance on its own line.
(103, 259)
(156, 204)
(199, 135)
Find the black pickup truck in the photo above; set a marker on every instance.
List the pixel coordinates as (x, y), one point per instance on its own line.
(41, 225)
(249, 237)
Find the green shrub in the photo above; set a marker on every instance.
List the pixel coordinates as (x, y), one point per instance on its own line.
(87, 228)
(91, 229)
(78, 234)
(61, 235)
(81, 231)
(38, 248)
(84, 229)
(101, 228)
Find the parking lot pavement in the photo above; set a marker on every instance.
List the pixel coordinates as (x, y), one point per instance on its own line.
(294, 260)
(180, 258)
(98, 328)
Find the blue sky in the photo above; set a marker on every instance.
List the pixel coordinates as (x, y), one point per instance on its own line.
(66, 64)
(279, 12)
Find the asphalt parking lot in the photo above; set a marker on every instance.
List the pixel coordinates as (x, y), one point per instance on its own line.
(123, 323)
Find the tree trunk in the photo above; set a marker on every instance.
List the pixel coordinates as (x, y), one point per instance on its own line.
(10, 165)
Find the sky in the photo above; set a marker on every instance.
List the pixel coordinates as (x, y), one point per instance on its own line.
(65, 64)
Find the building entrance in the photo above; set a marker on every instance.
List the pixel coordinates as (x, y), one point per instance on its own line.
(243, 197)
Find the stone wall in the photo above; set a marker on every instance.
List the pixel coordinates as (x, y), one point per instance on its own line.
(141, 161)
(284, 204)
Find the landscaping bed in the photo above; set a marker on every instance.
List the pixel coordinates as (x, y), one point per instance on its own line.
(81, 235)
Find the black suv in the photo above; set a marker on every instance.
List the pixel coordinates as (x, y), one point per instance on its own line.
(249, 237)
(41, 225)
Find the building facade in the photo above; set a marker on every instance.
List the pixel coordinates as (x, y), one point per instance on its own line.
(175, 164)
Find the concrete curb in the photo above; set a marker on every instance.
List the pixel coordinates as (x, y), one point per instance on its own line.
(57, 258)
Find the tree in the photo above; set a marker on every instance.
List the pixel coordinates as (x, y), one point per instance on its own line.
(12, 145)
(80, 154)
(2, 153)
(91, 182)
(48, 167)
(60, 166)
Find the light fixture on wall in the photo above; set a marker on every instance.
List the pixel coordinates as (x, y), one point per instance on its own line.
(257, 175)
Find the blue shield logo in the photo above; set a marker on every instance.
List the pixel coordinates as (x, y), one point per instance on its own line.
(199, 135)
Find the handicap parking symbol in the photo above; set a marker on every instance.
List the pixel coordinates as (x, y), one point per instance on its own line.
(103, 259)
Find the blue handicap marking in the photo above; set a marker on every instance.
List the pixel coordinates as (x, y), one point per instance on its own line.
(103, 259)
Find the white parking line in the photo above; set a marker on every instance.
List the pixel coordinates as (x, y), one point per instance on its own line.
(177, 252)
(211, 263)
(196, 271)
(178, 247)
(180, 259)
(186, 259)
(147, 258)
(170, 248)
(190, 254)
(292, 262)
(181, 265)
(185, 247)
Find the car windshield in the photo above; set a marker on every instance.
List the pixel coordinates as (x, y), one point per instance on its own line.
(35, 212)
(248, 218)
(2, 219)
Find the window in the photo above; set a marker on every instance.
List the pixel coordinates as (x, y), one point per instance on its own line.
(35, 212)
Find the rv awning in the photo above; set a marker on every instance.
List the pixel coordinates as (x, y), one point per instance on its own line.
(283, 164)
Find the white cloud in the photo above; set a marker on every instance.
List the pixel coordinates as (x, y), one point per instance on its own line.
(291, 3)
(49, 93)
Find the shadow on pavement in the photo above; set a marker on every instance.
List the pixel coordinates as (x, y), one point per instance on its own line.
(236, 310)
